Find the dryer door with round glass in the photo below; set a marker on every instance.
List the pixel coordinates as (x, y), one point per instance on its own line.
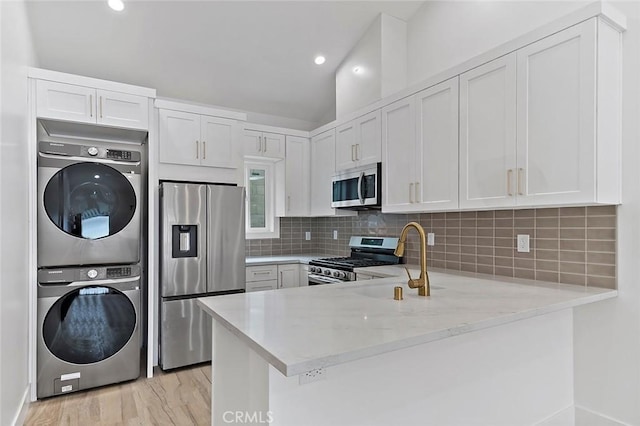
(88, 211)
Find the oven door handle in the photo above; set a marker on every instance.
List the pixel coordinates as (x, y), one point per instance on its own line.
(322, 279)
(360, 181)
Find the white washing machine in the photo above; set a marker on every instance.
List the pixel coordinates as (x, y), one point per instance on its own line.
(89, 196)
(88, 328)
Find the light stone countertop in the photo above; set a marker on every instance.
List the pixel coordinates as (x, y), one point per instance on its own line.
(301, 329)
(282, 259)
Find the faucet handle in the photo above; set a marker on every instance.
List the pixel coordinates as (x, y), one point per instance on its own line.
(408, 273)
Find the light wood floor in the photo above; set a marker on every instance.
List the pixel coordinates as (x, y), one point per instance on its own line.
(181, 397)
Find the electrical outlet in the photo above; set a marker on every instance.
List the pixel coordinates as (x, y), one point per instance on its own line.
(312, 376)
(335, 234)
(523, 243)
(307, 235)
(431, 239)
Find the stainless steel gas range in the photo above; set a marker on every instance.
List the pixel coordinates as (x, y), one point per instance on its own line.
(365, 252)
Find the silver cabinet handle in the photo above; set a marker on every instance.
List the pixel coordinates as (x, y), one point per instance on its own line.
(509, 177)
(288, 203)
(264, 144)
(204, 150)
(197, 150)
(90, 105)
(520, 179)
(100, 106)
(259, 143)
(417, 192)
(411, 192)
(280, 286)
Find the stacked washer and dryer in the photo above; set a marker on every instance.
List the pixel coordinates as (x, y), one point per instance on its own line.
(88, 295)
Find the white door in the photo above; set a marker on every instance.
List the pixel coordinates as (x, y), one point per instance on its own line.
(437, 146)
(273, 145)
(398, 156)
(488, 134)
(346, 146)
(368, 148)
(218, 147)
(179, 137)
(123, 110)
(297, 179)
(322, 171)
(252, 142)
(556, 116)
(65, 102)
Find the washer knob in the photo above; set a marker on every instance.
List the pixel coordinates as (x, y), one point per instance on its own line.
(92, 273)
(92, 151)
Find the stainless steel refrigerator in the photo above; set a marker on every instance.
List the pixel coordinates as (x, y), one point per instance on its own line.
(201, 254)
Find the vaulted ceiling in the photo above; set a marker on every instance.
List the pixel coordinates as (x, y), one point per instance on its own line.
(250, 55)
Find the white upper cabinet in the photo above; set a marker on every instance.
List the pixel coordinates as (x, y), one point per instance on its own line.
(68, 102)
(555, 118)
(420, 150)
(437, 146)
(264, 144)
(323, 151)
(297, 179)
(488, 134)
(398, 155)
(562, 94)
(358, 142)
(198, 140)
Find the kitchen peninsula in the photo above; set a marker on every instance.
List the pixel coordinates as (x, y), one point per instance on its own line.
(479, 350)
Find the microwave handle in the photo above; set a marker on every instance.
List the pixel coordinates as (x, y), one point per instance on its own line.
(360, 181)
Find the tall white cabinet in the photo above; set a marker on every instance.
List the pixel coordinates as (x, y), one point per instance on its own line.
(297, 180)
(323, 155)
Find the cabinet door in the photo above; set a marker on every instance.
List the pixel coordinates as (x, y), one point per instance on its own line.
(368, 148)
(288, 276)
(346, 146)
(65, 102)
(488, 134)
(398, 156)
(556, 116)
(218, 144)
(297, 179)
(437, 146)
(252, 142)
(179, 137)
(273, 145)
(322, 171)
(123, 110)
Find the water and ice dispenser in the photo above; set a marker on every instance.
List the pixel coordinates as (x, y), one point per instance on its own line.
(184, 241)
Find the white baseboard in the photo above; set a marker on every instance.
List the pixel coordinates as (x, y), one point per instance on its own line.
(564, 417)
(21, 415)
(586, 417)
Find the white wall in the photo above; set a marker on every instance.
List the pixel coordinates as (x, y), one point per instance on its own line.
(380, 54)
(607, 335)
(442, 34)
(16, 52)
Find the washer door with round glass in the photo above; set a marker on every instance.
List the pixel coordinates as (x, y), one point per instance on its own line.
(88, 213)
(89, 325)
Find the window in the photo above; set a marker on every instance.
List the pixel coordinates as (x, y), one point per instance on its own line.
(261, 221)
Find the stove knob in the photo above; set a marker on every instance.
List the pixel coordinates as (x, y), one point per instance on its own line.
(314, 269)
(343, 275)
(92, 273)
(92, 151)
(327, 272)
(337, 274)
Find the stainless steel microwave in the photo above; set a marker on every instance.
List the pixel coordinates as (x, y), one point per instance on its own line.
(358, 189)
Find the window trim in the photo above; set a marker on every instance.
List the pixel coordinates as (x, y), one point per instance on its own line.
(272, 222)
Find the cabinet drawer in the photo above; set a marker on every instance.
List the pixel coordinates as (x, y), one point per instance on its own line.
(262, 285)
(262, 273)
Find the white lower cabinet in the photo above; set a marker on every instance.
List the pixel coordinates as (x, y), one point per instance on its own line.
(289, 276)
(271, 277)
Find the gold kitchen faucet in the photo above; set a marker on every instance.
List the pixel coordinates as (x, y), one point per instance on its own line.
(422, 283)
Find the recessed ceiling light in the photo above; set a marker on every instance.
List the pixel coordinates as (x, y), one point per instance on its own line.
(319, 60)
(357, 70)
(116, 5)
